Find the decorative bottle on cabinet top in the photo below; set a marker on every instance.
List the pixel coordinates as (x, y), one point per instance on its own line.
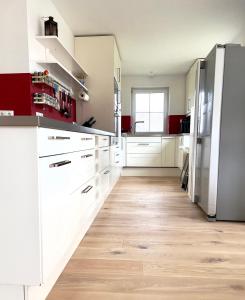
(51, 27)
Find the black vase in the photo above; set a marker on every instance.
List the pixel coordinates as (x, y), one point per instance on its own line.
(51, 27)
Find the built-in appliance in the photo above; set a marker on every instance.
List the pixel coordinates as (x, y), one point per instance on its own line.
(185, 124)
(220, 144)
(117, 109)
(25, 94)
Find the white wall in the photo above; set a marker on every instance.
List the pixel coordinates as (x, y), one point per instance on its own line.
(36, 10)
(175, 83)
(20, 23)
(14, 41)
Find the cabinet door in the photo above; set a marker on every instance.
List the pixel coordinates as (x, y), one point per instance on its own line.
(54, 177)
(168, 152)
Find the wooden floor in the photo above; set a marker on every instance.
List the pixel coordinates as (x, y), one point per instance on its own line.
(149, 242)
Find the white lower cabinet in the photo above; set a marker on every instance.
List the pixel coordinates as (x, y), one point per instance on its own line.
(52, 204)
(168, 152)
(143, 151)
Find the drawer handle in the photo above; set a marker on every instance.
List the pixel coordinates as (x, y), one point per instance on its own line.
(106, 150)
(86, 139)
(117, 162)
(117, 147)
(143, 144)
(107, 172)
(87, 155)
(87, 189)
(60, 164)
(105, 139)
(59, 138)
(117, 154)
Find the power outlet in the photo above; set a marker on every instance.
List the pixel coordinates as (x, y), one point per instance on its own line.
(6, 113)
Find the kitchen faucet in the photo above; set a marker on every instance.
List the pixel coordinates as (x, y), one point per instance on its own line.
(134, 126)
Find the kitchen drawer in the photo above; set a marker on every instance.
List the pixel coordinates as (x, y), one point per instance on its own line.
(143, 147)
(144, 160)
(144, 139)
(104, 183)
(103, 158)
(52, 141)
(55, 186)
(103, 141)
(84, 141)
(82, 203)
(84, 167)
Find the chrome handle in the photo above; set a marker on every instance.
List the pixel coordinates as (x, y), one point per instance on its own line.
(60, 164)
(107, 172)
(87, 155)
(106, 150)
(59, 138)
(87, 189)
(105, 139)
(117, 162)
(86, 139)
(143, 144)
(117, 154)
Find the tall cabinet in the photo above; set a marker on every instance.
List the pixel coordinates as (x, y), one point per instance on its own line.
(100, 57)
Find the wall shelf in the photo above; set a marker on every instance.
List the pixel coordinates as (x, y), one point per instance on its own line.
(55, 46)
(54, 67)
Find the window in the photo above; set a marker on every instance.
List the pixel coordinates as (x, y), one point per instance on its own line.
(149, 107)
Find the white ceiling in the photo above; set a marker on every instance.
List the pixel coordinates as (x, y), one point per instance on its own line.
(158, 36)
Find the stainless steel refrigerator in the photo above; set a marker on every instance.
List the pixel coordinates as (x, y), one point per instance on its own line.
(220, 144)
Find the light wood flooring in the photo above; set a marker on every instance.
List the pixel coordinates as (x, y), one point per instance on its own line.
(150, 243)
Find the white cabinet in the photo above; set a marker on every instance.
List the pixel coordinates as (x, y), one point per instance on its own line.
(103, 158)
(182, 148)
(47, 209)
(168, 152)
(143, 151)
(100, 57)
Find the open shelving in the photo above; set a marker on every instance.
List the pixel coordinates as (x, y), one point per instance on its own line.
(69, 70)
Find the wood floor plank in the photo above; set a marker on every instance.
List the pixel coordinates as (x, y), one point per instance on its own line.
(149, 242)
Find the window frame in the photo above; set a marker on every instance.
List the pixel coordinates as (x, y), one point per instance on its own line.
(164, 90)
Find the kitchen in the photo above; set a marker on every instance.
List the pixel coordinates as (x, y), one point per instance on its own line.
(119, 144)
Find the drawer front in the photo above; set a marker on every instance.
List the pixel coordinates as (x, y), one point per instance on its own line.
(144, 139)
(84, 168)
(103, 158)
(54, 177)
(144, 160)
(104, 182)
(52, 141)
(141, 147)
(82, 203)
(84, 141)
(103, 141)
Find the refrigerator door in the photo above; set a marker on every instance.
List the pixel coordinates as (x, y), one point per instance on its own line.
(208, 131)
(231, 186)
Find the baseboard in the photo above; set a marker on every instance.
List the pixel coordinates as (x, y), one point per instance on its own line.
(169, 172)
